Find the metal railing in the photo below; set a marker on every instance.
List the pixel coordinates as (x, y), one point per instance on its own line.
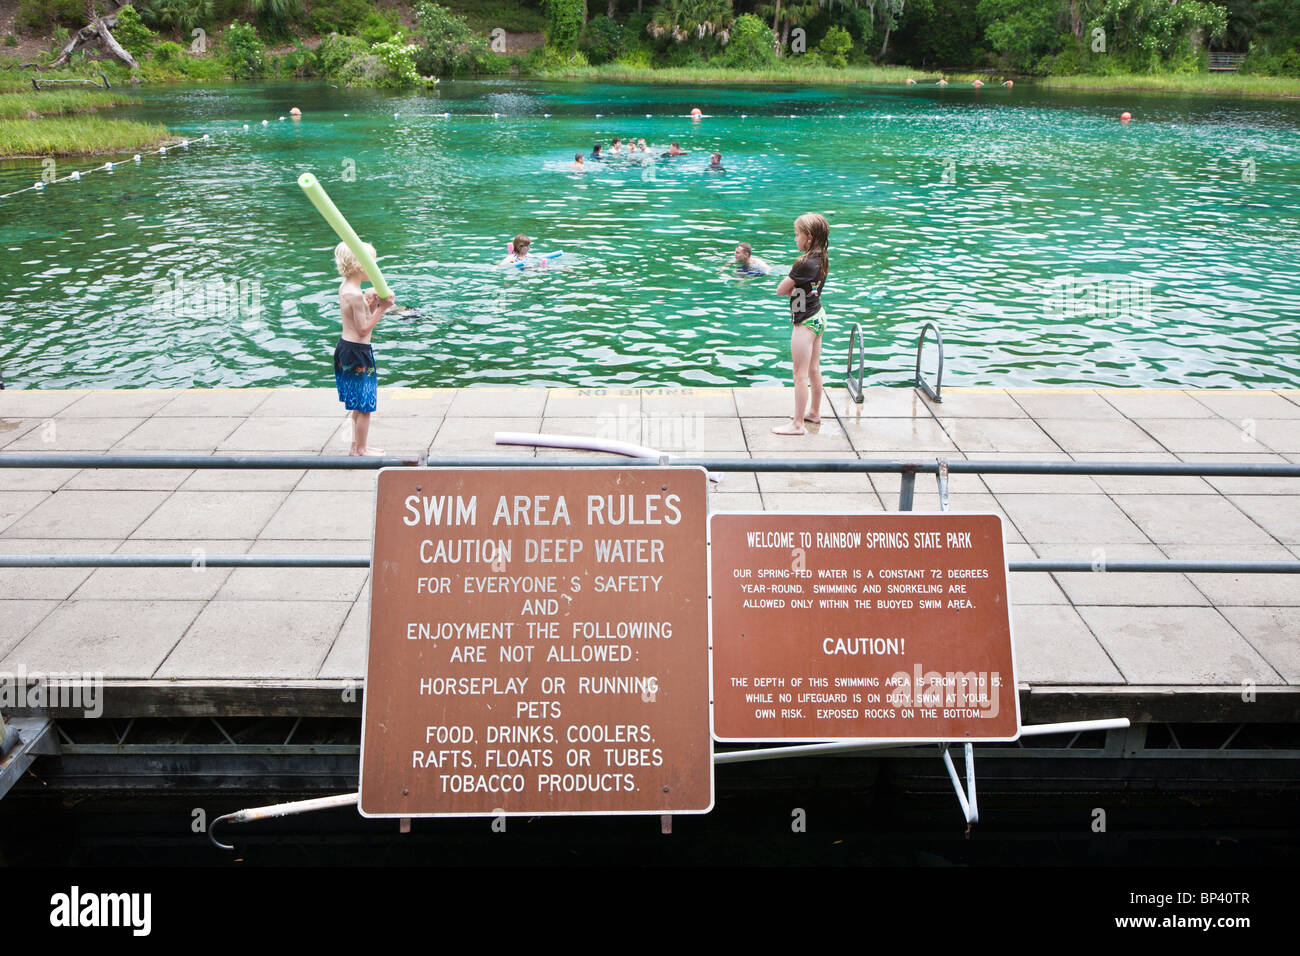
(935, 394)
(941, 468)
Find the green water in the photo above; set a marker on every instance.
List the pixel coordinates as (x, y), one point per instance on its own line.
(1175, 237)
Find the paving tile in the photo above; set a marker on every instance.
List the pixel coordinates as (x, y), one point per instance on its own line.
(1145, 484)
(15, 504)
(1279, 434)
(11, 429)
(119, 639)
(1080, 436)
(1054, 646)
(191, 434)
(257, 639)
(592, 402)
(1033, 483)
(760, 440)
(1236, 404)
(1121, 588)
(281, 434)
(476, 434)
(1069, 405)
(48, 583)
(801, 482)
(127, 479)
(737, 502)
(878, 401)
(1249, 485)
(298, 584)
(974, 435)
(35, 402)
(1033, 587)
(73, 434)
(775, 403)
(909, 436)
(927, 502)
(338, 479)
(211, 514)
(1198, 519)
(220, 402)
(1224, 590)
(242, 479)
(494, 402)
(35, 479)
(396, 436)
(199, 582)
(347, 658)
(416, 402)
(1154, 403)
(711, 402)
(119, 403)
(1190, 435)
(1278, 516)
(323, 515)
(74, 514)
(18, 617)
(682, 434)
(1274, 633)
(1176, 645)
(1085, 520)
(816, 503)
(303, 403)
(958, 403)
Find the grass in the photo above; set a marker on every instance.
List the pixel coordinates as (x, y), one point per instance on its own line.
(825, 75)
(509, 15)
(30, 105)
(1247, 84)
(76, 136)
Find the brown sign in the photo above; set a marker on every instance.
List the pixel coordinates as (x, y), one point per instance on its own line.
(847, 627)
(538, 643)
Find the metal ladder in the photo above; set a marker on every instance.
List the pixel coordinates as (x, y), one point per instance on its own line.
(853, 382)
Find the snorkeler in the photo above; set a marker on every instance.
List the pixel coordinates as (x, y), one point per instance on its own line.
(674, 151)
(641, 147)
(715, 164)
(748, 264)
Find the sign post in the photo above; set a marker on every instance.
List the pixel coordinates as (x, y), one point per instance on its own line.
(873, 627)
(538, 643)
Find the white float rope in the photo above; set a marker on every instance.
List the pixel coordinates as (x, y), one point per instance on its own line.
(76, 175)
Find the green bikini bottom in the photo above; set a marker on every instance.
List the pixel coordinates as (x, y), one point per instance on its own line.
(816, 322)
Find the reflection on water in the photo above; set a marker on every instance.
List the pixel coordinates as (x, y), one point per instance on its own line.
(1051, 244)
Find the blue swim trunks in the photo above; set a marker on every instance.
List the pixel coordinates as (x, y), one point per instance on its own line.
(356, 376)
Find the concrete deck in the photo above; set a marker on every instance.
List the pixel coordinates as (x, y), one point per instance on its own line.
(1103, 637)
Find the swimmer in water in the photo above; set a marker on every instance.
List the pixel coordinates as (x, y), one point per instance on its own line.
(748, 264)
(715, 164)
(519, 247)
(577, 165)
(674, 151)
(641, 147)
(595, 152)
(616, 146)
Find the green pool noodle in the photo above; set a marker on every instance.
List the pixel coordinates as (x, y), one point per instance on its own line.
(325, 206)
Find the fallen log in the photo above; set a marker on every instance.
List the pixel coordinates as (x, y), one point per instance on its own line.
(98, 27)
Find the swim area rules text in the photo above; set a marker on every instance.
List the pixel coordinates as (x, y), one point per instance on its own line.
(538, 643)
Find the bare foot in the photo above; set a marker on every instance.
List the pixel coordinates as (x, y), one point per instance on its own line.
(790, 429)
(366, 451)
(815, 421)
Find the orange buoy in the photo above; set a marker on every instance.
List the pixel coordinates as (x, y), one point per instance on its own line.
(1125, 117)
(696, 113)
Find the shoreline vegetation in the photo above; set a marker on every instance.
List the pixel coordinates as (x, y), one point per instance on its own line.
(1084, 45)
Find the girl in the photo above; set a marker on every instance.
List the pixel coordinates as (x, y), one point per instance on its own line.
(804, 285)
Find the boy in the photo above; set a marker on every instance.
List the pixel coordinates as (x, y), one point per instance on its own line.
(354, 360)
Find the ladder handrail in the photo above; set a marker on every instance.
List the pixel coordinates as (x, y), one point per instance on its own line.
(936, 392)
(855, 387)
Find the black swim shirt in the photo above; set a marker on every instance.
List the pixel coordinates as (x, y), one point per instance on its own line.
(805, 274)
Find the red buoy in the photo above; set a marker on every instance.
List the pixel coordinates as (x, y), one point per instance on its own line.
(1125, 117)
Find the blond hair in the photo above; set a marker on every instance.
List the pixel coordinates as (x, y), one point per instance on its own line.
(818, 230)
(346, 259)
